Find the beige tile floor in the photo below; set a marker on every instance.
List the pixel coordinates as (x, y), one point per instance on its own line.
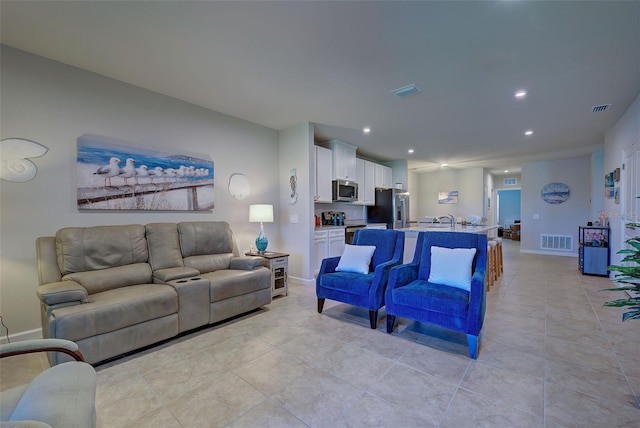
(552, 356)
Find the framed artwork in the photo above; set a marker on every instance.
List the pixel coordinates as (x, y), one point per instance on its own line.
(616, 195)
(450, 197)
(555, 193)
(112, 175)
(293, 183)
(609, 183)
(616, 175)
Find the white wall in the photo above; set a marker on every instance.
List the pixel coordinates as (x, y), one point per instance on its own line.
(468, 182)
(621, 136)
(53, 104)
(296, 219)
(597, 184)
(555, 219)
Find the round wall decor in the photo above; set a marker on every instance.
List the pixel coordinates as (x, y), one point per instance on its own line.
(239, 186)
(555, 193)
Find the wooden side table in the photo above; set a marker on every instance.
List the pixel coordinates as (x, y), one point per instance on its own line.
(278, 263)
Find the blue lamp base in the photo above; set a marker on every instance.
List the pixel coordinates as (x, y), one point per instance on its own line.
(261, 240)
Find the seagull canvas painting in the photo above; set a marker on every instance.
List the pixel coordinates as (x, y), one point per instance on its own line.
(116, 176)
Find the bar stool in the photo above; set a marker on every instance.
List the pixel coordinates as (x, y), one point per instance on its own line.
(500, 267)
(491, 263)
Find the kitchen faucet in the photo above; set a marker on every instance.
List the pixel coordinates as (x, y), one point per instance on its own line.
(451, 219)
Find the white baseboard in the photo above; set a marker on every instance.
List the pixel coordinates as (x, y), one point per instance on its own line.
(550, 253)
(23, 335)
(302, 281)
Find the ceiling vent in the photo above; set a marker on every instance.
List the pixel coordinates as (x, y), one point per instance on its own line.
(601, 107)
(407, 91)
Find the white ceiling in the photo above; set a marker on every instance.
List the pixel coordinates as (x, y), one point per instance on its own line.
(334, 64)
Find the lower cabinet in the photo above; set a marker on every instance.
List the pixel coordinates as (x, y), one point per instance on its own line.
(327, 243)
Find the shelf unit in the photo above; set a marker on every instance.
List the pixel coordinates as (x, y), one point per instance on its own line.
(278, 264)
(593, 250)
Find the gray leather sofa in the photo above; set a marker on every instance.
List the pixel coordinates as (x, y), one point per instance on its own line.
(115, 289)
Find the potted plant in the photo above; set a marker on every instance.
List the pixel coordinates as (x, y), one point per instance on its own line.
(629, 278)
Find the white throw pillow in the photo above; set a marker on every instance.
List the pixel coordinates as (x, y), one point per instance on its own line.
(356, 258)
(451, 266)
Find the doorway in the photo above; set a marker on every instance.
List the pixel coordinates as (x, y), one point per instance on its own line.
(508, 202)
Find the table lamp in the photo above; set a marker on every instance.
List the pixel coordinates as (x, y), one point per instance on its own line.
(261, 213)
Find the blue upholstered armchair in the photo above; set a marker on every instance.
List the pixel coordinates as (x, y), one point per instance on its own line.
(365, 290)
(416, 290)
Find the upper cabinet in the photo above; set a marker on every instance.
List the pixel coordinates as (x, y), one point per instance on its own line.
(366, 184)
(344, 160)
(323, 175)
(383, 176)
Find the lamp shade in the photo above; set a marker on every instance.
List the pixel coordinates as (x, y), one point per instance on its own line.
(261, 213)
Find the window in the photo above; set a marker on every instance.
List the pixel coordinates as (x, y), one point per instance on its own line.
(510, 181)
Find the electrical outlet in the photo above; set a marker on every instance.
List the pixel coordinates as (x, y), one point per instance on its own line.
(536, 216)
(293, 218)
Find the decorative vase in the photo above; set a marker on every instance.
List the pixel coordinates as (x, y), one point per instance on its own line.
(261, 240)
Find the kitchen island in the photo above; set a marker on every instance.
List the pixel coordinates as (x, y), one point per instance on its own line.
(411, 234)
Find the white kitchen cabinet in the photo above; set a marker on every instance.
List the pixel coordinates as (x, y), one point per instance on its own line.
(327, 243)
(360, 181)
(336, 242)
(387, 177)
(344, 160)
(383, 176)
(321, 248)
(323, 175)
(369, 190)
(365, 172)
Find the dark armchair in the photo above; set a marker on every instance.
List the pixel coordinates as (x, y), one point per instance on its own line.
(365, 290)
(411, 293)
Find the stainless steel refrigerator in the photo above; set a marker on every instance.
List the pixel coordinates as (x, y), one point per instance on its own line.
(392, 208)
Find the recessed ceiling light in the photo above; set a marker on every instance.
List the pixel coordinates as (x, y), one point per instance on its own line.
(520, 93)
(506, 170)
(410, 150)
(528, 132)
(444, 164)
(366, 130)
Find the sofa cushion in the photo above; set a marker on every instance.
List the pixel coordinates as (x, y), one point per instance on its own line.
(115, 309)
(348, 282)
(205, 237)
(433, 297)
(164, 246)
(209, 263)
(81, 249)
(97, 281)
(231, 283)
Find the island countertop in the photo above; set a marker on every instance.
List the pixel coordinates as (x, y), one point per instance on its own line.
(447, 228)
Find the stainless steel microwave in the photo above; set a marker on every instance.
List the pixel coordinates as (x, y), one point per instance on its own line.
(344, 190)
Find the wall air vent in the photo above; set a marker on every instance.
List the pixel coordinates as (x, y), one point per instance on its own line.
(601, 107)
(556, 242)
(407, 91)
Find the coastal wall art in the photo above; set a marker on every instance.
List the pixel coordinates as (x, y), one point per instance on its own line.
(450, 197)
(112, 175)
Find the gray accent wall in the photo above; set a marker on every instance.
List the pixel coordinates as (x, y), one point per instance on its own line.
(53, 104)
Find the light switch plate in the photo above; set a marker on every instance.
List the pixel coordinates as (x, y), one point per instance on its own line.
(293, 218)
(536, 216)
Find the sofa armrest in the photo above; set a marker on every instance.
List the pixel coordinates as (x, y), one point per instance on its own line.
(329, 265)
(170, 274)
(41, 345)
(246, 262)
(401, 275)
(62, 292)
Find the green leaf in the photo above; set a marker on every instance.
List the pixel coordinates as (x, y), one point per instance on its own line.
(625, 287)
(621, 303)
(631, 315)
